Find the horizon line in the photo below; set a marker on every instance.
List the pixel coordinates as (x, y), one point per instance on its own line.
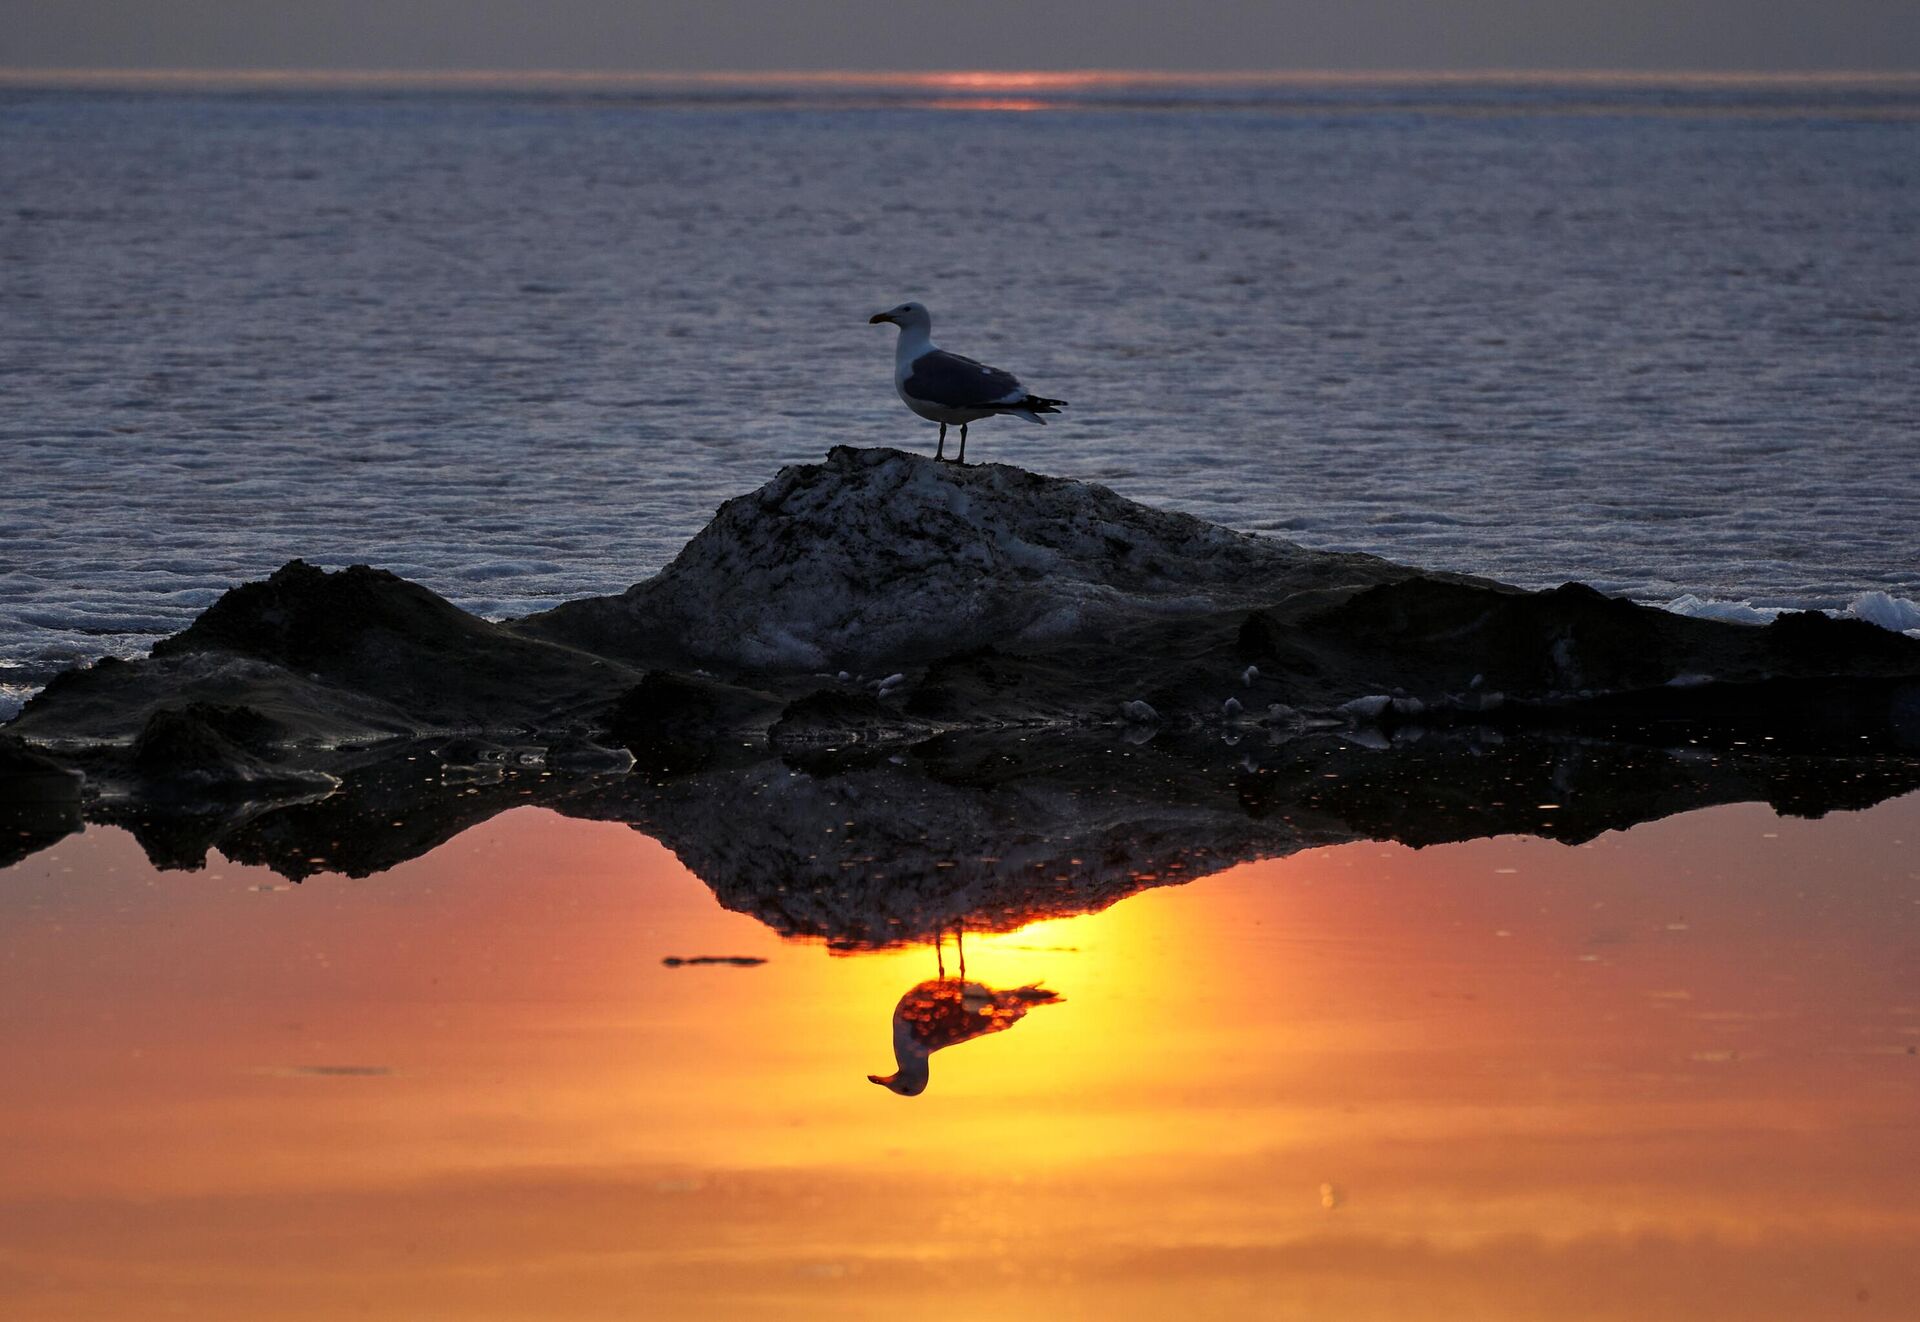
(959, 79)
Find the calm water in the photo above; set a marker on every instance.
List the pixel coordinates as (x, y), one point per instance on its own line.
(1670, 1074)
(518, 343)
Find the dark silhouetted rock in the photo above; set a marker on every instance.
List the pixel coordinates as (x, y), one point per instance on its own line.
(991, 599)
(192, 751)
(368, 631)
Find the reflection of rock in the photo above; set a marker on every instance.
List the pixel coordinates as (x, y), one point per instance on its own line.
(989, 832)
(869, 853)
(39, 801)
(29, 776)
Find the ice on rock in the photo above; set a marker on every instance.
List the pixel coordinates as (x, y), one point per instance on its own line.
(1139, 713)
(1250, 674)
(1231, 708)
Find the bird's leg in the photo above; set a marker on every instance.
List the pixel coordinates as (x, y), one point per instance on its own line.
(963, 443)
(941, 453)
(960, 933)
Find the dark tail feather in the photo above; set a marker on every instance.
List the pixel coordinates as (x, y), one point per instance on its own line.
(1034, 404)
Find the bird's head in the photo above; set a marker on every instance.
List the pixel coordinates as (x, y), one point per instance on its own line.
(905, 316)
(906, 1086)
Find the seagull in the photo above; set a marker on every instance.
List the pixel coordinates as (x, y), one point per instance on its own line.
(948, 389)
(944, 1012)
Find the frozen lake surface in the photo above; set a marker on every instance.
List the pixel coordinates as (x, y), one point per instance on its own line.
(517, 343)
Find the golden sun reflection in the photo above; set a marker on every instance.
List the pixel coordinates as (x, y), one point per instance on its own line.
(1001, 103)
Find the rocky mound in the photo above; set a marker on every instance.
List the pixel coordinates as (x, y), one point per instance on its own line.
(878, 559)
(881, 597)
(308, 661)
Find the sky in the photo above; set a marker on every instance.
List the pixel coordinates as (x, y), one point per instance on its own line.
(749, 35)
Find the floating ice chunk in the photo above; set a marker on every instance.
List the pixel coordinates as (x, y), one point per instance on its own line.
(1250, 674)
(1369, 708)
(843, 677)
(1690, 680)
(1886, 610)
(886, 685)
(1139, 713)
(1899, 614)
(1476, 681)
(1408, 706)
(1231, 709)
(1730, 612)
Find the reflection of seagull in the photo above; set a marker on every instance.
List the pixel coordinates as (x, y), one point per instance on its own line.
(943, 1012)
(946, 388)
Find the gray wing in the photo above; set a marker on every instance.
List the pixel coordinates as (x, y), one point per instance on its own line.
(954, 382)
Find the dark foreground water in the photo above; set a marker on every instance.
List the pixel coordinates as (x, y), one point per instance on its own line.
(1668, 1075)
(518, 342)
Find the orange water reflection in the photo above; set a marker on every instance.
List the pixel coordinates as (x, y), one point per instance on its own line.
(1668, 1074)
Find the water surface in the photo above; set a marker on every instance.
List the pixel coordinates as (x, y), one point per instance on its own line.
(1670, 1073)
(517, 341)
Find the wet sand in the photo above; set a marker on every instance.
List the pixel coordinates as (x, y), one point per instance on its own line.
(1669, 1073)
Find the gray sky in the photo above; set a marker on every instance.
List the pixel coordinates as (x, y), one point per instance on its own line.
(953, 34)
